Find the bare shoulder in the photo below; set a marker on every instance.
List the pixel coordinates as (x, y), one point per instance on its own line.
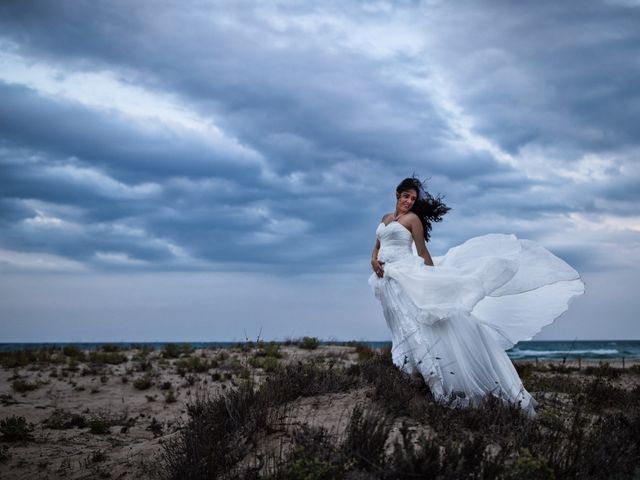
(411, 217)
(412, 222)
(387, 217)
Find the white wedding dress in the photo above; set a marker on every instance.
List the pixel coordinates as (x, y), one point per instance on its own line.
(453, 322)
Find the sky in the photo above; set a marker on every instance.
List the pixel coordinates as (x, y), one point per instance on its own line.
(215, 171)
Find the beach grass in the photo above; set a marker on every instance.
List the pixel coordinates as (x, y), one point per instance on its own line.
(301, 409)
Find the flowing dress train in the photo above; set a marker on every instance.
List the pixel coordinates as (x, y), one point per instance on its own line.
(453, 322)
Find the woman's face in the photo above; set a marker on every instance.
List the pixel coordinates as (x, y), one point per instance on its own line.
(406, 200)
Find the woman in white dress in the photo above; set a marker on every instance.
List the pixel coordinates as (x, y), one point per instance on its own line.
(452, 317)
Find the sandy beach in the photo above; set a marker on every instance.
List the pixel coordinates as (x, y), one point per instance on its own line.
(105, 416)
(138, 418)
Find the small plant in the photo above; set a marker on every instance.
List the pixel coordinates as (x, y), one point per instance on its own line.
(155, 427)
(98, 456)
(5, 455)
(270, 364)
(530, 467)
(99, 425)
(270, 350)
(15, 429)
(143, 383)
(635, 369)
(309, 343)
(221, 356)
(173, 350)
(73, 352)
(170, 397)
(144, 365)
(560, 368)
(364, 352)
(111, 358)
(525, 370)
(23, 386)
(110, 348)
(73, 365)
(62, 420)
(605, 370)
(192, 364)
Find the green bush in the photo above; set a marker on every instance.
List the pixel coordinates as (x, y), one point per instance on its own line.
(110, 348)
(605, 370)
(73, 365)
(525, 369)
(170, 396)
(4, 453)
(309, 343)
(62, 420)
(99, 425)
(634, 368)
(143, 383)
(270, 364)
(174, 350)
(269, 350)
(529, 467)
(73, 352)
(15, 429)
(110, 358)
(17, 358)
(22, 386)
(364, 352)
(221, 356)
(560, 368)
(192, 364)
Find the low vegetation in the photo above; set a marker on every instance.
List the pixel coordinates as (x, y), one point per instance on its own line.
(15, 429)
(269, 417)
(591, 433)
(309, 343)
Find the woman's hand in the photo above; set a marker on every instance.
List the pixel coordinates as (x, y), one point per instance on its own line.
(378, 267)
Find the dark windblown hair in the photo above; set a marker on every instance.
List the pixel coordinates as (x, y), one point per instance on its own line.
(427, 207)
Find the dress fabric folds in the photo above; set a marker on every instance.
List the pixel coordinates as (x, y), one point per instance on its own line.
(453, 322)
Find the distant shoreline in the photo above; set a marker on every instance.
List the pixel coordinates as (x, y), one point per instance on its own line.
(587, 352)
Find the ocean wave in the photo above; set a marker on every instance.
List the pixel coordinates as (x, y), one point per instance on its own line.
(541, 353)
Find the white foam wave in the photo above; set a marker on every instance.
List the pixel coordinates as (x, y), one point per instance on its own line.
(541, 353)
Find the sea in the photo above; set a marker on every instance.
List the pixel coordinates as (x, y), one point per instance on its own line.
(541, 349)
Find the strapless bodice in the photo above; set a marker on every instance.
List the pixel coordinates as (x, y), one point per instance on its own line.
(395, 242)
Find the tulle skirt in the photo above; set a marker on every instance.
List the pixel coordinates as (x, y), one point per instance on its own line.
(453, 322)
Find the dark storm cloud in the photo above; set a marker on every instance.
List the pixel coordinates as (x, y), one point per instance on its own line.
(107, 141)
(324, 110)
(552, 73)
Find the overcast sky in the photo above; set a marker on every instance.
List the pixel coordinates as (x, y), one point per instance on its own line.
(195, 170)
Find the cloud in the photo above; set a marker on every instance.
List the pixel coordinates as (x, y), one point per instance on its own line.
(270, 136)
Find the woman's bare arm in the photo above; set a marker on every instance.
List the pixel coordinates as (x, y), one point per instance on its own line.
(417, 231)
(377, 266)
(374, 252)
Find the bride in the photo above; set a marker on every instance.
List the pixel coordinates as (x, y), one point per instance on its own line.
(452, 317)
